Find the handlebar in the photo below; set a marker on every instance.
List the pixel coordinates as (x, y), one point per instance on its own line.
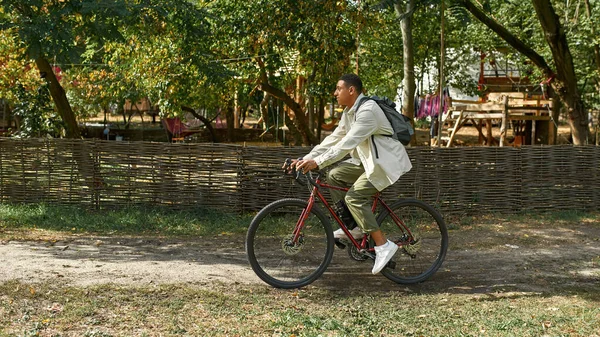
(288, 170)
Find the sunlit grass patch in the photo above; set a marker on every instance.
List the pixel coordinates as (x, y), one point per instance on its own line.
(225, 310)
(131, 220)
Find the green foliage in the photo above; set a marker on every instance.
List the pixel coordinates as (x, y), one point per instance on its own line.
(55, 28)
(36, 113)
(204, 54)
(106, 57)
(16, 71)
(380, 52)
(168, 61)
(291, 38)
(517, 18)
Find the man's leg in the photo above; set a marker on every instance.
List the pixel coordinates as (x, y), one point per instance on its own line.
(360, 198)
(343, 175)
(360, 201)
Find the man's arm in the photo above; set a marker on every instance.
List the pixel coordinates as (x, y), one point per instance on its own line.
(329, 141)
(364, 126)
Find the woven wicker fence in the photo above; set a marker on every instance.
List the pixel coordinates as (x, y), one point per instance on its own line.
(103, 174)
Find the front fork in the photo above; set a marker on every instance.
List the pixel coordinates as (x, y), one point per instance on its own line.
(301, 221)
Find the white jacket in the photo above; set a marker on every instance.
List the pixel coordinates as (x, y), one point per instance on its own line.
(362, 134)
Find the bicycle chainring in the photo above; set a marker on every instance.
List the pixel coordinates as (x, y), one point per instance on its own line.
(292, 248)
(355, 254)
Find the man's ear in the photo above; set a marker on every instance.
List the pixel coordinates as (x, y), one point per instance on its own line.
(352, 90)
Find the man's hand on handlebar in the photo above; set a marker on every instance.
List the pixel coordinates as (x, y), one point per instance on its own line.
(299, 164)
(306, 165)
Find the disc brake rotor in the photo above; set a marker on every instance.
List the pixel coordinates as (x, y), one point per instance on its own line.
(290, 247)
(413, 246)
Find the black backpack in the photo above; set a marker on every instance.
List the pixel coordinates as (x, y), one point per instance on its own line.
(403, 130)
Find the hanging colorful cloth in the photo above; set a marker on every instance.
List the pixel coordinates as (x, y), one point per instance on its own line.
(417, 105)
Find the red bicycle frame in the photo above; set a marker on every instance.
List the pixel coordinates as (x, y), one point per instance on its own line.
(316, 194)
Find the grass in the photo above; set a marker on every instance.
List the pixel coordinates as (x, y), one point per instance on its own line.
(141, 221)
(225, 310)
(228, 309)
(165, 221)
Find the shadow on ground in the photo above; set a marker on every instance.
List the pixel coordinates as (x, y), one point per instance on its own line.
(552, 260)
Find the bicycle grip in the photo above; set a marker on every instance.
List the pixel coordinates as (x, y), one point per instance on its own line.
(287, 167)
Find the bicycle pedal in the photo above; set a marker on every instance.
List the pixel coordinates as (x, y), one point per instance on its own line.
(339, 244)
(391, 265)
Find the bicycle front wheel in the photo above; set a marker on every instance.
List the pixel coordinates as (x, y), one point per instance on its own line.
(285, 260)
(420, 232)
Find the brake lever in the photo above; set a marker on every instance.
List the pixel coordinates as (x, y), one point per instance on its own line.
(286, 167)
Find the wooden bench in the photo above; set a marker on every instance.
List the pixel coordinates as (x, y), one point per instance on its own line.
(501, 106)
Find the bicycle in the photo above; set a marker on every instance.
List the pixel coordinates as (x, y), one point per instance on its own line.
(290, 242)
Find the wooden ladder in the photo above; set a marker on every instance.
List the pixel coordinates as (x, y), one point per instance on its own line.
(451, 122)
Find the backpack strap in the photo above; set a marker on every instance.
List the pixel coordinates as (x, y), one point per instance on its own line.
(366, 98)
(362, 100)
(360, 103)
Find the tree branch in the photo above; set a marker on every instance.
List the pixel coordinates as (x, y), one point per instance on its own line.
(300, 119)
(507, 36)
(206, 122)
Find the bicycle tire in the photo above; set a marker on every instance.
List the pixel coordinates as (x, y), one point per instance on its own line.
(422, 251)
(271, 255)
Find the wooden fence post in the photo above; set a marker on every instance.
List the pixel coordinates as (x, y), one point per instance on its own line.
(504, 121)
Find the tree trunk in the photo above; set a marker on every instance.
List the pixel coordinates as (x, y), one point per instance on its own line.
(321, 118)
(588, 9)
(308, 138)
(264, 110)
(566, 84)
(236, 110)
(7, 114)
(293, 131)
(556, 109)
(59, 97)
(301, 123)
(312, 114)
(564, 81)
(408, 94)
(205, 121)
(230, 117)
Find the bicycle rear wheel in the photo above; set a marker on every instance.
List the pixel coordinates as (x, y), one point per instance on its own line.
(273, 255)
(422, 237)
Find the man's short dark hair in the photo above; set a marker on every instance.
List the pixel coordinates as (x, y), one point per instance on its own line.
(352, 80)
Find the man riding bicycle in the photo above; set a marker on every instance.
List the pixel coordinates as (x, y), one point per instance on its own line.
(377, 161)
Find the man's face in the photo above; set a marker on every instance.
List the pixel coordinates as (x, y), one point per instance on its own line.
(345, 95)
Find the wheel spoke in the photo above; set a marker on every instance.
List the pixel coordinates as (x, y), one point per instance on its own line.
(277, 260)
(421, 234)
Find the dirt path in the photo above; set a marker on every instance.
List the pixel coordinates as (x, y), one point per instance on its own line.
(559, 260)
(86, 261)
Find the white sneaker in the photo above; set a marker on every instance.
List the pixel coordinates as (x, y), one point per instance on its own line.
(356, 232)
(383, 255)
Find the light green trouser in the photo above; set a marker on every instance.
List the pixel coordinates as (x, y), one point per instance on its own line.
(359, 197)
